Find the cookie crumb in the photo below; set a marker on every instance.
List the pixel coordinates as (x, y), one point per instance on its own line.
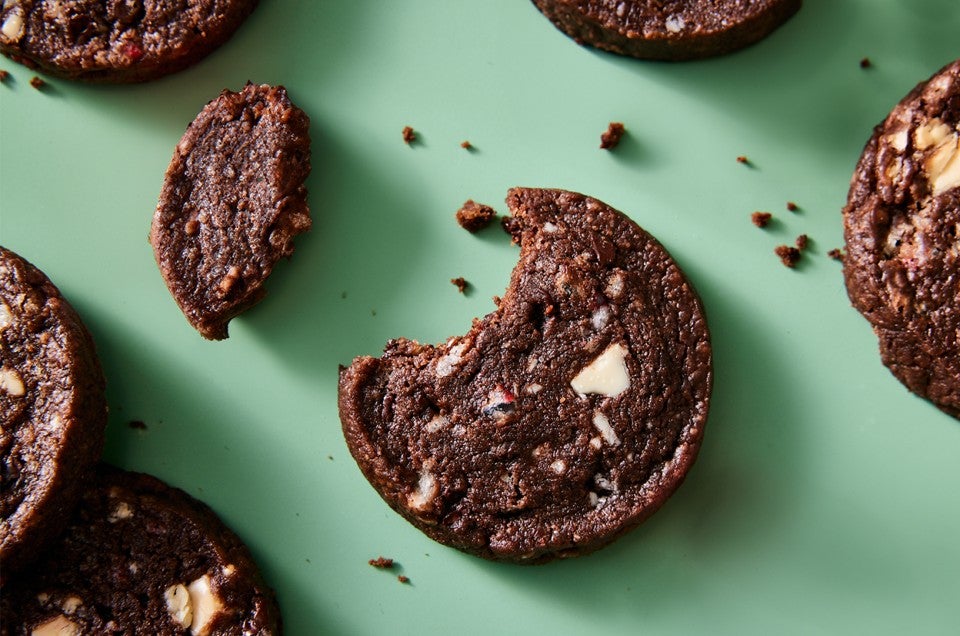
(802, 242)
(793, 207)
(403, 579)
(139, 425)
(3, 75)
(836, 254)
(789, 256)
(409, 135)
(744, 160)
(37, 83)
(381, 562)
(865, 63)
(613, 135)
(466, 145)
(461, 284)
(473, 216)
(761, 219)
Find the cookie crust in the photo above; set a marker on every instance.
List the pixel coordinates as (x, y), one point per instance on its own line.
(901, 229)
(53, 410)
(670, 30)
(233, 199)
(561, 420)
(120, 41)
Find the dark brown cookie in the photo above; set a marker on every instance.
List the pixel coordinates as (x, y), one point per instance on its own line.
(141, 557)
(233, 199)
(901, 227)
(116, 40)
(561, 420)
(52, 409)
(668, 29)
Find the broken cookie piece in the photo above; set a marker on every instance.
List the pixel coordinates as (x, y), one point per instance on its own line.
(141, 557)
(901, 224)
(559, 421)
(233, 199)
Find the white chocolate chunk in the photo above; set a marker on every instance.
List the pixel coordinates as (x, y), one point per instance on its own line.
(600, 317)
(602, 424)
(426, 491)
(533, 389)
(122, 510)
(57, 626)
(930, 133)
(559, 466)
(674, 24)
(205, 603)
(606, 375)
(943, 166)
(11, 383)
(12, 28)
(177, 599)
(549, 227)
(71, 603)
(899, 139)
(436, 423)
(6, 316)
(448, 363)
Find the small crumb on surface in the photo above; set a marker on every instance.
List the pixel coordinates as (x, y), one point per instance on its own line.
(802, 242)
(793, 207)
(461, 284)
(473, 216)
(789, 256)
(139, 425)
(37, 83)
(612, 136)
(381, 562)
(466, 145)
(761, 219)
(403, 579)
(409, 135)
(836, 254)
(744, 160)
(865, 63)
(3, 75)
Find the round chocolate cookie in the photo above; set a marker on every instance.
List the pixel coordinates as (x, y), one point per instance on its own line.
(233, 199)
(141, 557)
(52, 409)
(902, 233)
(562, 419)
(668, 29)
(116, 40)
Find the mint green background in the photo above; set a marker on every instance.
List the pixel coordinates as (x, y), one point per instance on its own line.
(826, 496)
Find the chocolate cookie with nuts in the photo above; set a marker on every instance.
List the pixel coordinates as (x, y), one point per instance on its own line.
(118, 41)
(141, 557)
(233, 199)
(559, 421)
(52, 411)
(901, 228)
(671, 30)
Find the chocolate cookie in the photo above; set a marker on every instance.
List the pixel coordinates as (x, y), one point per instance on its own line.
(901, 227)
(119, 40)
(668, 29)
(233, 199)
(561, 420)
(52, 409)
(141, 557)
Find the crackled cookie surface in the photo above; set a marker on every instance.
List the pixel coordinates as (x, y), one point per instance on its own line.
(119, 40)
(233, 199)
(141, 557)
(52, 409)
(902, 233)
(668, 29)
(562, 419)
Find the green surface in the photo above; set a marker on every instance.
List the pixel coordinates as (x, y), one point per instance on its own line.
(825, 499)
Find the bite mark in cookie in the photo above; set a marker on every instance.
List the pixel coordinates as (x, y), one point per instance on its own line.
(562, 419)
